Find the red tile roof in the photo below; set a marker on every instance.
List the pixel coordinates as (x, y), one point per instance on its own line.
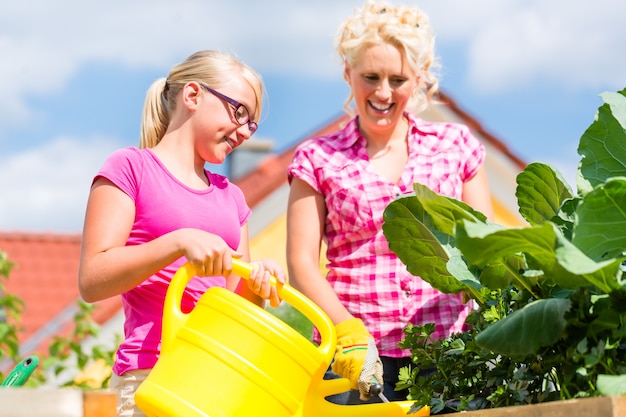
(44, 276)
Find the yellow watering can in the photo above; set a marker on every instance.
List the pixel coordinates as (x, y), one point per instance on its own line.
(230, 358)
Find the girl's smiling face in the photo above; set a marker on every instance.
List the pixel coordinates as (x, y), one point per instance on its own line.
(219, 132)
(382, 84)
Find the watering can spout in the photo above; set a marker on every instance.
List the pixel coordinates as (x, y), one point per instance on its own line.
(316, 404)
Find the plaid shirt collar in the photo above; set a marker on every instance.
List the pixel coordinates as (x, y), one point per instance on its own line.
(351, 135)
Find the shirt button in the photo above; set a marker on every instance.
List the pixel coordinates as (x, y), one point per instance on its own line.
(407, 293)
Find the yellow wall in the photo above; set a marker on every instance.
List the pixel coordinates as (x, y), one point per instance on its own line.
(271, 242)
(504, 216)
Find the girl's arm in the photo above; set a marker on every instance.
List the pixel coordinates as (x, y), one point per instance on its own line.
(108, 267)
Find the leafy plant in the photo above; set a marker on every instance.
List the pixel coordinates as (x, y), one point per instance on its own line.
(69, 358)
(550, 321)
(11, 308)
(84, 365)
(293, 317)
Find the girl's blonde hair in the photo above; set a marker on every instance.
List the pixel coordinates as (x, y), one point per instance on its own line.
(404, 27)
(209, 67)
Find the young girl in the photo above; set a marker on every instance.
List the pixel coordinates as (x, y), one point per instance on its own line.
(153, 208)
(341, 184)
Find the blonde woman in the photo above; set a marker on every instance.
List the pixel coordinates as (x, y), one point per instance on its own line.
(342, 182)
(155, 207)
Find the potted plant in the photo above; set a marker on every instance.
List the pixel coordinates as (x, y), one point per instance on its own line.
(550, 322)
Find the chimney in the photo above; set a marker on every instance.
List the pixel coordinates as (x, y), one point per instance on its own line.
(247, 156)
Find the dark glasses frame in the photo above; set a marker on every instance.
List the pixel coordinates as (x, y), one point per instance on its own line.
(244, 117)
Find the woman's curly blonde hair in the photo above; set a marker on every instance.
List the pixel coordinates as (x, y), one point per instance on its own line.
(405, 27)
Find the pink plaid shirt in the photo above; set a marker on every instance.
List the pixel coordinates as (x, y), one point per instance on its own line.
(368, 278)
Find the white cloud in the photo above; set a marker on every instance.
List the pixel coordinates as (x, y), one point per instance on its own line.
(53, 185)
(509, 43)
(512, 44)
(45, 44)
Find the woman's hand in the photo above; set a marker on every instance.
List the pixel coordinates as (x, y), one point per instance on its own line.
(259, 281)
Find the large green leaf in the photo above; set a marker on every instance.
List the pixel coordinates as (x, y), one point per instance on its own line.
(481, 246)
(566, 216)
(612, 384)
(523, 332)
(603, 145)
(443, 211)
(502, 273)
(617, 103)
(602, 274)
(419, 248)
(458, 268)
(600, 226)
(540, 192)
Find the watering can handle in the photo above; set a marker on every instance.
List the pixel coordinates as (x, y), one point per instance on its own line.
(301, 303)
(173, 317)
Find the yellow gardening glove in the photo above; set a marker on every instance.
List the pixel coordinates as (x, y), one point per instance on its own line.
(357, 357)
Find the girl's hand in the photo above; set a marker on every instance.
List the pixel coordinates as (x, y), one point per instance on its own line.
(259, 281)
(208, 253)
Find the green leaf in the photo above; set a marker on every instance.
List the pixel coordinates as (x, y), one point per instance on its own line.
(600, 274)
(600, 214)
(460, 271)
(612, 384)
(503, 272)
(482, 244)
(539, 323)
(603, 145)
(566, 216)
(607, 319)
(445, 212)
(538, 243)
(417, 247)
(617, 104)
(457, 347)
(540, 192)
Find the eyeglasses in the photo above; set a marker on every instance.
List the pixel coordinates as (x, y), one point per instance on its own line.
(242, 116)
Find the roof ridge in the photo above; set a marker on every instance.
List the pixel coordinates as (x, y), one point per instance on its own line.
(39, 236)
(475, 125)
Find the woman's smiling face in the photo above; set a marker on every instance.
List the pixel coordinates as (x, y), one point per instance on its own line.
(382, 83)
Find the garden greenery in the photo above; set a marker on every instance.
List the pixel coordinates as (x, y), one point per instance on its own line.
(550, 322)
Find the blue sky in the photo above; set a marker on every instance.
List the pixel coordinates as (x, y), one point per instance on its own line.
(75, 72)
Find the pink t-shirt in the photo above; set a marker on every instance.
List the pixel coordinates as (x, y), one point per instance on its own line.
(164, 204)
(369, 279)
